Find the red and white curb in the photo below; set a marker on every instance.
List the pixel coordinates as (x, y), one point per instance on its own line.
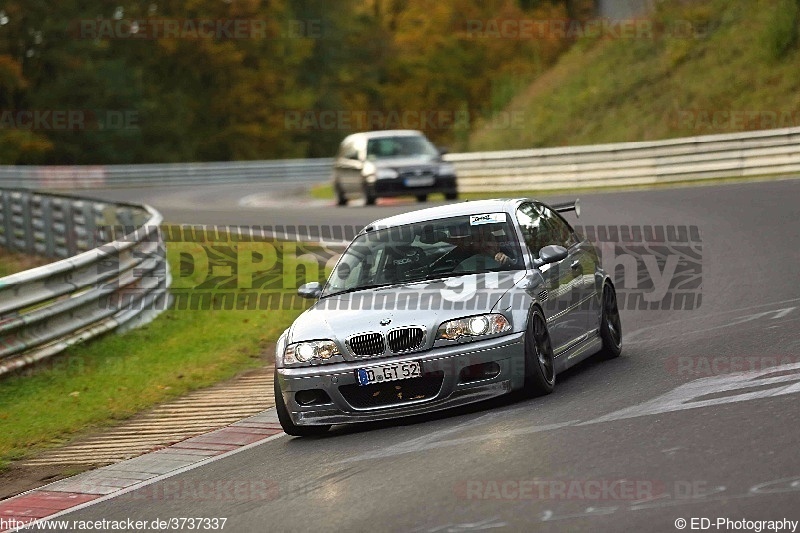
(192, 414)
(111, 481)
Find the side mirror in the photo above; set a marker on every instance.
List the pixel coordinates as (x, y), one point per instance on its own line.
(551, 254)
(310, 290)
(443, 150)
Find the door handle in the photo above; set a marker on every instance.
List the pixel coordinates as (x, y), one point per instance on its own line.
(575, 265)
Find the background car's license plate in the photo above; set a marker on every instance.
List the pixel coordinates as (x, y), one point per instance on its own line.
(422, 181)
(379, 374)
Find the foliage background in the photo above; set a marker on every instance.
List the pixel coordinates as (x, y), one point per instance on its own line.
(239, 99)
(227, 99)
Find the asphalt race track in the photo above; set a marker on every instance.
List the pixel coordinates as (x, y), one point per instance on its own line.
(693, 421)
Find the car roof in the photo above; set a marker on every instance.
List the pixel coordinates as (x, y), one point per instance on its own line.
(504, 205)
(385, 133)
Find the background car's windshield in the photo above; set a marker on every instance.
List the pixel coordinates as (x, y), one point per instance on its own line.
(428, 250)
(400, 146)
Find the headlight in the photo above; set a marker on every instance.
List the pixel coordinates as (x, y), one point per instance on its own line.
(385, 174)
(303, 352)
(446, 169)
(473, 326)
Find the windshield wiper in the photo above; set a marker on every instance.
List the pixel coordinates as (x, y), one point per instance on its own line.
(429, 277)
(354, 289)
(440, 276)
(389, 285)
(434, 277)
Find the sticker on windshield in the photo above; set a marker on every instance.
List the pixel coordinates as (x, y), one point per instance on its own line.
(488, 218)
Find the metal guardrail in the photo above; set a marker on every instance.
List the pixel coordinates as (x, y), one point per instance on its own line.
(99, 176)
(113, 272)
(639, 163)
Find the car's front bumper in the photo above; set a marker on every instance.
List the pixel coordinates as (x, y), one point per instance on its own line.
(507, 351)
(398, 187)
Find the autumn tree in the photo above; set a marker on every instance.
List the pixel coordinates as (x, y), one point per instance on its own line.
(191, 97)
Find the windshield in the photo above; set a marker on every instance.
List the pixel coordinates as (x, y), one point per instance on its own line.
(428, 250)
(400, 146)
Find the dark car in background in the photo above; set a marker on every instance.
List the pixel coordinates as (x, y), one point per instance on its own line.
(391, 163)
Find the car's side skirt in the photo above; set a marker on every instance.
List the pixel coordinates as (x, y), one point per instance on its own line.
(581, 348)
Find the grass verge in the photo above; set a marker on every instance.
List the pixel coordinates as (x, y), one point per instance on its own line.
(118, 375)
(14, 262)
(322, 191)
(707, 67)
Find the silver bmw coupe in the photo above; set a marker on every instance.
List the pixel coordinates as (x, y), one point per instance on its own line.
(442, 307)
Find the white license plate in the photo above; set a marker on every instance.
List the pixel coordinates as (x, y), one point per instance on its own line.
(379, 374)
(422, 181)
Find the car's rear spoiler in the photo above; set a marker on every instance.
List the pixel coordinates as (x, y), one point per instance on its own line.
(569, 206)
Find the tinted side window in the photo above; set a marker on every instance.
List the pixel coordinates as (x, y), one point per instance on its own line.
(530, 222)
(541, 227)
(561, 232)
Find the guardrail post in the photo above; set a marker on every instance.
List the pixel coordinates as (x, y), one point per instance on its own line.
(69, 228)
(47, 217)
(27, 222)
(7, 239)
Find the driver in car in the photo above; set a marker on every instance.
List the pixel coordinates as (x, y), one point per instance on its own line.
(478, 249)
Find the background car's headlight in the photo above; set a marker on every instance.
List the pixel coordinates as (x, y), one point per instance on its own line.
(385, 174)
(473, 326)
(303, 352)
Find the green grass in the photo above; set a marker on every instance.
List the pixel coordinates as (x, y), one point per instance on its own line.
(741, 57)
(14, 262)
(117, 376)
(322, 191)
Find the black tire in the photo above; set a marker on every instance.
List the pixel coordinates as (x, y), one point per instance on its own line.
(540, 371)
(422, 197)
(610, 324)
(341, 199)
(369, 195)
(451, 196)
(286, 422)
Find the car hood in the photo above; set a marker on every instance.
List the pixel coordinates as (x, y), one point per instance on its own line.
(425, 304)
